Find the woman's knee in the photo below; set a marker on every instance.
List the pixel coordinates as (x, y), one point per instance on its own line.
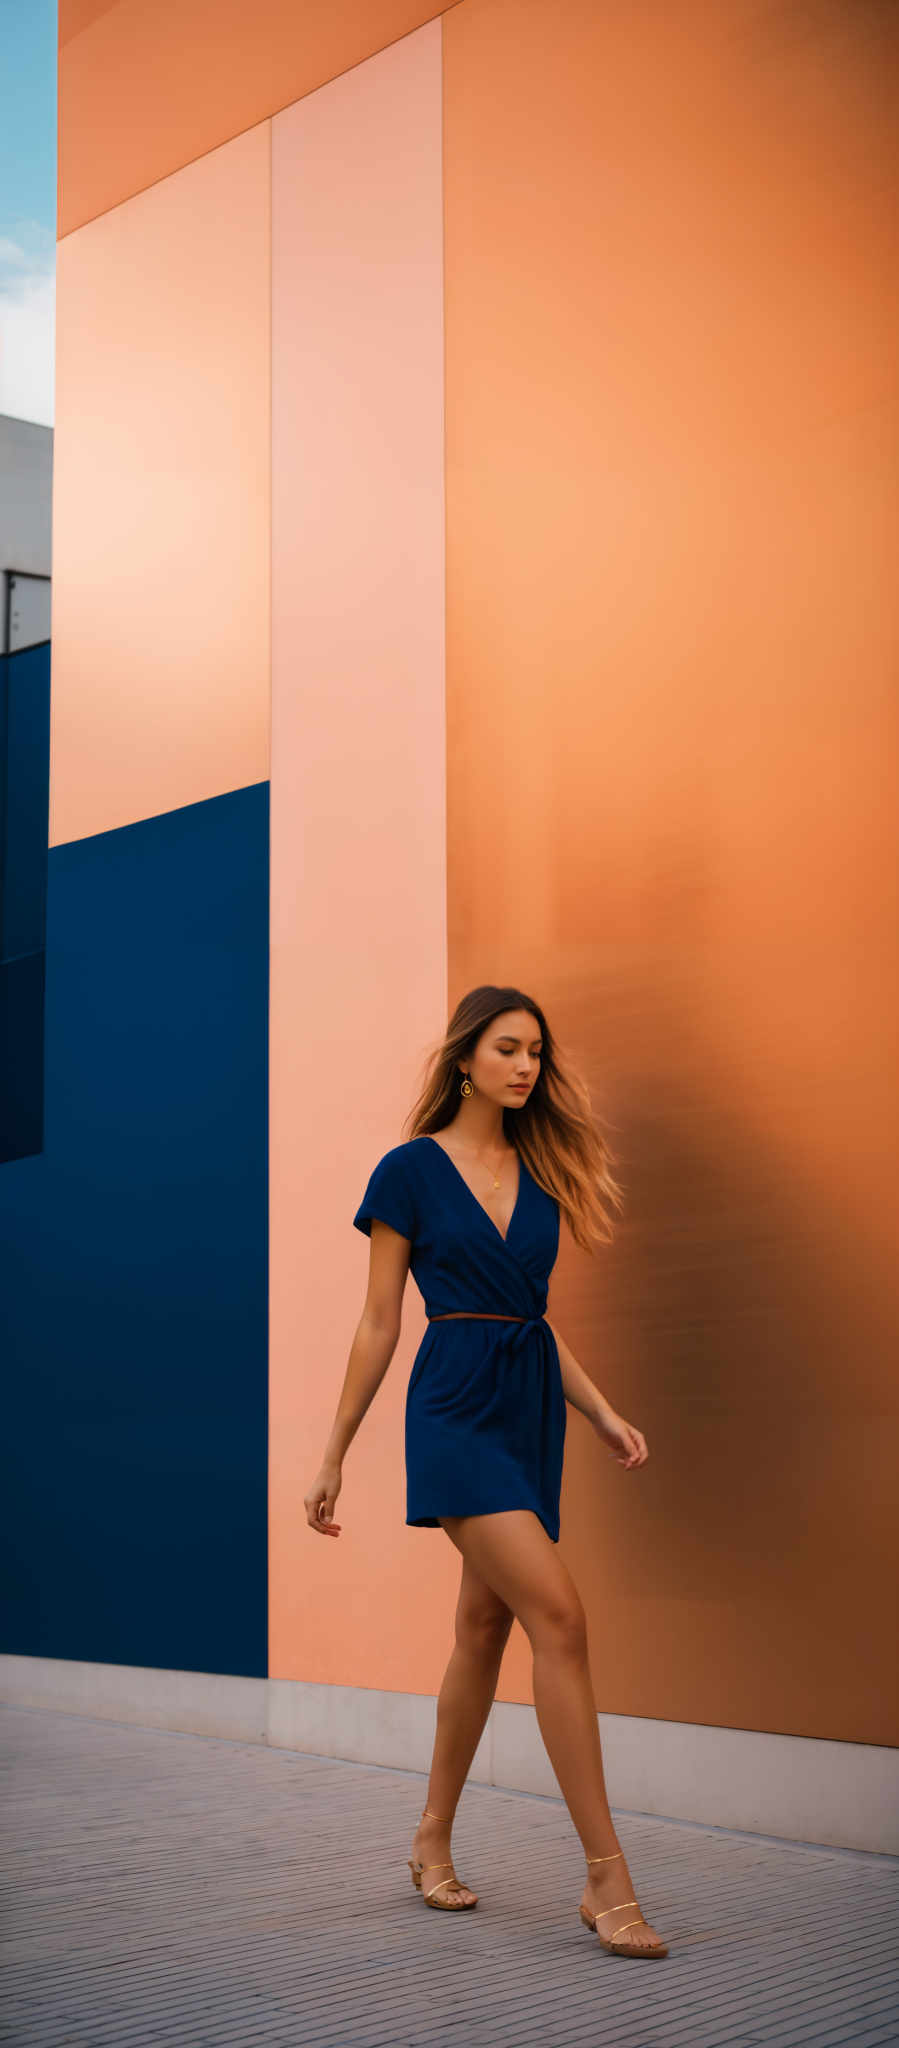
(482, 1625)
(559, 1624)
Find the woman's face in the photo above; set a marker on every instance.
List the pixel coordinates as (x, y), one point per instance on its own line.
(507, 1054)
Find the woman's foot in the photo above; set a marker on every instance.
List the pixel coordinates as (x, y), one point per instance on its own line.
(431, 1844)
(609, 1885)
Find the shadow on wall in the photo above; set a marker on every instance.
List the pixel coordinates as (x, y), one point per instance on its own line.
(745, 1322)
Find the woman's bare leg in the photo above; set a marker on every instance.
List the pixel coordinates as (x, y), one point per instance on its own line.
(466, 1695)
(515, 1557)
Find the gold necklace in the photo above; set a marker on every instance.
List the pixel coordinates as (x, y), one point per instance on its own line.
(491, 1169)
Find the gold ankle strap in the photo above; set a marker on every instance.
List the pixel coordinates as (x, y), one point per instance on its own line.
(606, 1859)
(437, 1816)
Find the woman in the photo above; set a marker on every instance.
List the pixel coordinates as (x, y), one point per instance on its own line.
(503, 1141)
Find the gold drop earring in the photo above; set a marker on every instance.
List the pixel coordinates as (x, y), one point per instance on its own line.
(466, 1088)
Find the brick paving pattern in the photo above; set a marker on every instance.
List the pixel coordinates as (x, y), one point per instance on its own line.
(164, 1888)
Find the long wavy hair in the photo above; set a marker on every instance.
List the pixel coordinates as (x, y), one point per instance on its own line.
(556, 1130)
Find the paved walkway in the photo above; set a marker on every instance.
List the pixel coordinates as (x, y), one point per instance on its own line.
(182, 1889)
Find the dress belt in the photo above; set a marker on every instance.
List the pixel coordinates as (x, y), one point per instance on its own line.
(481, 1315)
(526, 1324)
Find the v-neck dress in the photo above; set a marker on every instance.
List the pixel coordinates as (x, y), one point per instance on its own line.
(485, 1408)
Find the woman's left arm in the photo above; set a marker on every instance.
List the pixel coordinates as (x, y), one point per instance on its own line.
(626, 1444)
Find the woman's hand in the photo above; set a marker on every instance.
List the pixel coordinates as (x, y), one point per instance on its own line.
(626, 1444)
(319, 1501)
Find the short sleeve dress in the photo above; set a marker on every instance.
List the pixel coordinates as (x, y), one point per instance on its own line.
(485, 1407)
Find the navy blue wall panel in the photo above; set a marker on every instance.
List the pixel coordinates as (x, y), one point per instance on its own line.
(21, 1063)
(25, 712)
(134, 1256)
(24, 791)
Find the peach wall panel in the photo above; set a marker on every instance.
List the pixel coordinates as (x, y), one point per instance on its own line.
(671, 310)
(358, 916)
(145, 88)
(161, 498)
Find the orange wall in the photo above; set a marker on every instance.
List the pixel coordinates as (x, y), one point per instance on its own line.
(576, 333)
(146, 86)
(671, 730)
(358, 824)
(161, 497)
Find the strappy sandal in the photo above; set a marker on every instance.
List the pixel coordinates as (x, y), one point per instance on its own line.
(430, 1899)
(610, 1942)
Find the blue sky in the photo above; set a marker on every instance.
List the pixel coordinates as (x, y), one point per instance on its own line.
(27, 208)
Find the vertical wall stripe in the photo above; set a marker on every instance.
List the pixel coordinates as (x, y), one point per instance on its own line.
(671, 291)
(358, 818)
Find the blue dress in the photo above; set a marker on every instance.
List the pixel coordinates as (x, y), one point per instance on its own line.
(485, 1406)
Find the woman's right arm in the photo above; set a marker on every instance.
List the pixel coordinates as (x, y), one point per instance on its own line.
(371, 1351)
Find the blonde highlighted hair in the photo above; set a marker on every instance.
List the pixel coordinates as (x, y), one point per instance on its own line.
(556, 1131)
